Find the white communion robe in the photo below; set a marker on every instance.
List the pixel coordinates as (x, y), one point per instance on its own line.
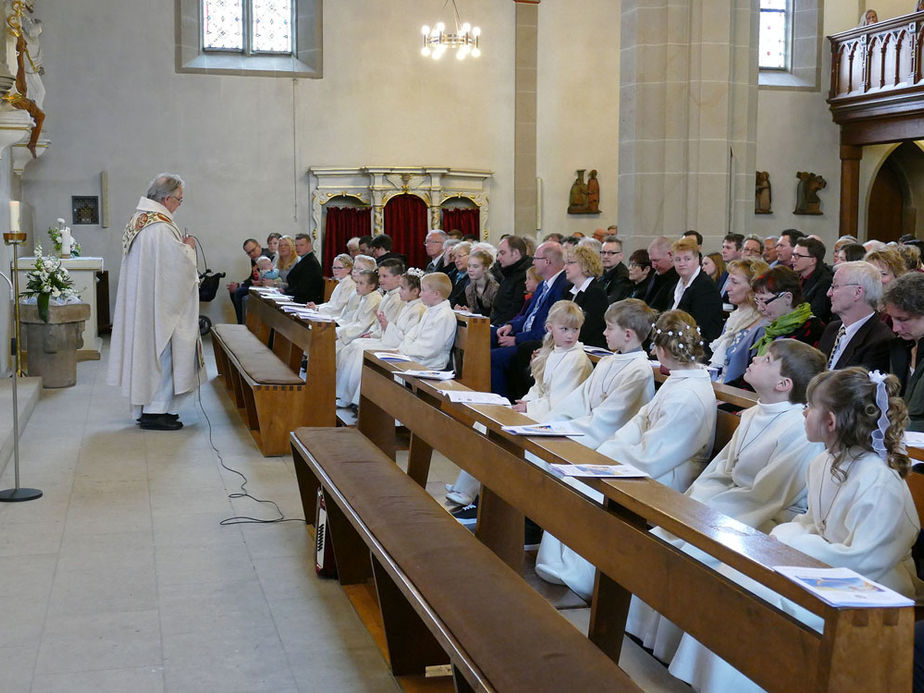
(339, 297)
(867, 523)
(565, 370)
(430, 340)
(350, 358)
(391, 306)
(156, 320)
(618, 387)
(758, 478)
(671, 437)
(349, 327)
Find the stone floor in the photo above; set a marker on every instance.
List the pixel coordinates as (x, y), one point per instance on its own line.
(120, 578)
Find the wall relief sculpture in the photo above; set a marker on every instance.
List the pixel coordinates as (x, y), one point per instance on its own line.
(584, 198)
(763, 194)
(807, 200)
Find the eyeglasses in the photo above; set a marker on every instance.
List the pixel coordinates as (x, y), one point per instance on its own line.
(768, 301)
(835, 287)
(611, 252)
(541, 258)
(802, 256)
(338, 267)
(179, 200)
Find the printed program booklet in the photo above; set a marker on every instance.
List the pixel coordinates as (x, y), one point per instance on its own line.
(470, 397)
(391, 356)
(547, 429)
(843, 587)
(598, 470)
(430, 375)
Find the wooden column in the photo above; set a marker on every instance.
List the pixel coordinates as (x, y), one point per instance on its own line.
(850, 189)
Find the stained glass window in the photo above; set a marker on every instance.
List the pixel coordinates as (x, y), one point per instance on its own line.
(774, 34)
(247, 26)
(271, 26)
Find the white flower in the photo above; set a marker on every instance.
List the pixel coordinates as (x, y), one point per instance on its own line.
(61, 221)
(55, 293)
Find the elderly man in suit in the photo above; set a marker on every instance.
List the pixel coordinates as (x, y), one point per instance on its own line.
(858, 337)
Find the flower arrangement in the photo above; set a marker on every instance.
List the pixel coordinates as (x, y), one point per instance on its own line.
(60, 234)
(49, 280)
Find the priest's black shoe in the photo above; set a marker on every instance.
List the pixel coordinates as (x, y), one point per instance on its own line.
(160, 422)
(144, 417)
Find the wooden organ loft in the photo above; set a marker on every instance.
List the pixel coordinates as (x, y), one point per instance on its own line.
(876, 96)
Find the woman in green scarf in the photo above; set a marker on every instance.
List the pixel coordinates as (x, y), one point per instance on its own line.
(778, 296)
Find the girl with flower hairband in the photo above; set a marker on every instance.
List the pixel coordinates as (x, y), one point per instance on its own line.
(860, 512)
(671, 437)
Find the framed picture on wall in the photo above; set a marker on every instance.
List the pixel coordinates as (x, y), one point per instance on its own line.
(85, 210)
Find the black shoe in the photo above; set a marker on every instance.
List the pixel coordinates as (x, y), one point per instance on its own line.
(148, 417)
(467, 514)
(160, 422)
(532, 535)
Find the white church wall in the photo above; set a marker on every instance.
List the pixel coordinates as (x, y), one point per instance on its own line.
(244, 144)
(578, 109)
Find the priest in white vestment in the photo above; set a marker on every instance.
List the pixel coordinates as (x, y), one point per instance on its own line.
(156, 352)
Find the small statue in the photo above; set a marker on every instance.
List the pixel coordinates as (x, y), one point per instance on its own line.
(593, 193)
(807, 200)
(763, 194)
(18, 97)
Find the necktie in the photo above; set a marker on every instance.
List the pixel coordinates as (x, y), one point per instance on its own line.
(837, 342)
(537, 299)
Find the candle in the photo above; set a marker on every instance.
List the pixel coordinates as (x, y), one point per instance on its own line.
(14, 216)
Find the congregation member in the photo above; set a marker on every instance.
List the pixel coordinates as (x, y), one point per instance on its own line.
(639, 273)
(714, 267)
(857, 337)
(615, 280)
(268, 274)
(353, 323)
(482, 288)
(510, 273)
(593, 244)
(659, 439)
(808, 260)
(849, 252)
(156, 351)
(391, 305)
(582, 268)
(272, 245)
(381, 248)
(530, 326)
(433, 246)
(860, 512)
(430, 340)
(459, 277)
(889, 263)
(660, 292)
(352, 246)
(904, 303)
(752, 247)
(911, 254)
(341, 268)
(305, 282)
(698, 236)
(778, 295)
(731, 350)
(758, 478)
(286, 257)
(770, 255)
(560, 365)
(785, 247)
(731, 250)
(239, 290)
(695, 293)
(350, 358)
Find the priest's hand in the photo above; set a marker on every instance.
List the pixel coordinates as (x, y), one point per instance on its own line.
(190, 241)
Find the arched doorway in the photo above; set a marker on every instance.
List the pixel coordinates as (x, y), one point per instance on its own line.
(461, 214)
(344, 217)
(405, 220)
(892, 210)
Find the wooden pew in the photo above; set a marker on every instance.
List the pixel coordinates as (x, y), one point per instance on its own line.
(264, 382)
(860, 649)
(329, 285)
(444, 597)
(471, 351)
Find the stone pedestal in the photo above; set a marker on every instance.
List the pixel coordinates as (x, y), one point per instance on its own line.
(52, 346)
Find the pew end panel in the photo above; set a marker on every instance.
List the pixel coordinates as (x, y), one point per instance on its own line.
(471, 352)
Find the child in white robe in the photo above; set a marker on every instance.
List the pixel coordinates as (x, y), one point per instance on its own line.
(430, 341)
(341, 269)
(390, 272)
(360, 263)
(350, 358)
(351, 325)
(860, 512)
(560, 365)
(671, 437)
(759, 476)
(619, 386)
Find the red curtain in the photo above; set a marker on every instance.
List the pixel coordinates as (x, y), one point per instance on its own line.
(340, 225)
(465, 219)
(406, 223)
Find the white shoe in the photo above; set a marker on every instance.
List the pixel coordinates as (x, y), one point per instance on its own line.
(459, 498)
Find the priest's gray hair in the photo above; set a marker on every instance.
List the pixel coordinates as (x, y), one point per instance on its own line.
(163, 186)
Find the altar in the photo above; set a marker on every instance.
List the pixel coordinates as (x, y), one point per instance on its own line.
(83, 271)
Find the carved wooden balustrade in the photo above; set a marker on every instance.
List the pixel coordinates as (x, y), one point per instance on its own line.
(876, 75)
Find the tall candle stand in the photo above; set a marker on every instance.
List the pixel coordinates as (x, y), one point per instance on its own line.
(16, 494)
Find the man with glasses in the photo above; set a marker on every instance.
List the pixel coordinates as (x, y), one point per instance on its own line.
(808, 260)
(785, 246)
(156, 352)
(239, 290)
(433, 246)
(858, 337)
(615, 278)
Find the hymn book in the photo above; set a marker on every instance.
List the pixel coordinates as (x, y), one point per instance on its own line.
(602, 471)
(843, 587)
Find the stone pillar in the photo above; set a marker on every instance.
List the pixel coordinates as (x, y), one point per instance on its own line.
(525, 204)
(850, 189)
(687, 118)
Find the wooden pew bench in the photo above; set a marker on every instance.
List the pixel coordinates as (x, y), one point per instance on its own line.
(471, 351)
(859, 649)
(444, 597)
(264, 381)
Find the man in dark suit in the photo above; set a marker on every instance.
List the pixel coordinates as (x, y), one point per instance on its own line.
(305, 281)
(530, 325)
(808, 260)
(858, 337)
(904, 302)
(381, 248)
(239, 290)
(434, 248)
(660, 292)
(732, 246)
(510, 272)
(615, 280)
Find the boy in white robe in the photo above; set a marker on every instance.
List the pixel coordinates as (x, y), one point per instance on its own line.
(430, 341)
(759, 476)
(352, 325)
(390, 272)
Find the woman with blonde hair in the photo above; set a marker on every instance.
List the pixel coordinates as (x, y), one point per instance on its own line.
(889, 262)
(730, 354)
(582, 268)
(286, 257)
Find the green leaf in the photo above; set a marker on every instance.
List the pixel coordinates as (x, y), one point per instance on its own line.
(42, 303)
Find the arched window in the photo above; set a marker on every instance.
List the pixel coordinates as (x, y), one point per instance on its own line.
(790, 44)
(248, 26)
(774, 34)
